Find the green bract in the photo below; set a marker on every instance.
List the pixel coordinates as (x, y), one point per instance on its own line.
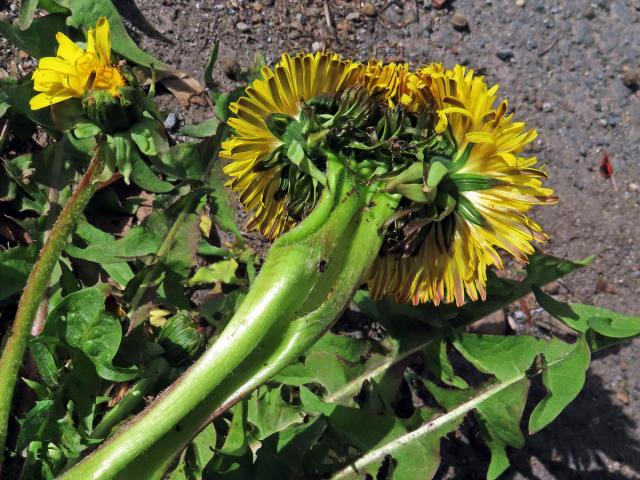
(114, 114)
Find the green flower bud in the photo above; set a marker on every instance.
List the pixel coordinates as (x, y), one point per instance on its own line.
(180, 338)
(115, 113)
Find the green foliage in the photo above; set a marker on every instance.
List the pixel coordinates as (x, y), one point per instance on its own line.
(15, 265)
(585, 318)
(17, 96)
(98, 356)
(79, 320)
(208, 128)
(35, 36)
(156, 267)
(349, 391)
(208, 70)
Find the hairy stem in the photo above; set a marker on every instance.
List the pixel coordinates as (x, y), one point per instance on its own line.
(17, 338)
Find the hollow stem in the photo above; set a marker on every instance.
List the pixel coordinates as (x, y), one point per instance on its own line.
(17, 338)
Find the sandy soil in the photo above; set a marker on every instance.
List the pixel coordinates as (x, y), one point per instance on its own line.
(571, 70)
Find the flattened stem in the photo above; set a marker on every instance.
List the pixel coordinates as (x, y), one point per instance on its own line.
(290, 286)
(283, 345)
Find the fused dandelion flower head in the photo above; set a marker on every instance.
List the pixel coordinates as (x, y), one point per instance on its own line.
(74, 71)
(437, 137)
(480, 187)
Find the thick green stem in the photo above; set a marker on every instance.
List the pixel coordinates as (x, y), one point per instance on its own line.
(300, 280)
(16, 342)
(285, 343)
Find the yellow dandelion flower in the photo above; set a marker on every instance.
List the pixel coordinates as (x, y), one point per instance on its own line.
(281, 91)
(73, 71)
(486, 194)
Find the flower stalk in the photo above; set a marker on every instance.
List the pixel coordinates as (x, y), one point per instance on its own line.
(307, 280)
(37, 283)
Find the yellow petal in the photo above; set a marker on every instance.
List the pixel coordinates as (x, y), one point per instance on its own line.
(91, 41)
(68, 50)
(57, 65)
(103, 43)
(43, 100)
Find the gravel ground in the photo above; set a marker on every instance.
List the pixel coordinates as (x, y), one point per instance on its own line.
(570, 69)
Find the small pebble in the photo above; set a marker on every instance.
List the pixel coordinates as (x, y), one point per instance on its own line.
(459, 22)
(230, 67)
(243, 27)
(505, 54)
(171, 122)
(268, 3)
(520, 3)
(634, 187)
(352, 17)
(369, 9)
(589, 13)
(631, 79)
(317, 46)
(547, 107)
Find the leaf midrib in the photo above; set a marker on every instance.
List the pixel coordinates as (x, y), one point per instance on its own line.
(433, 425)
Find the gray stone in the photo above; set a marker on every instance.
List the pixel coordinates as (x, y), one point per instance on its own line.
(459, 22)
(505, 54)
(243, 27)
(352, 17)
(171, 122)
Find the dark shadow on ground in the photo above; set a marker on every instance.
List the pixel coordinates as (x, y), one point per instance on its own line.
(591, 439)
(130, 11)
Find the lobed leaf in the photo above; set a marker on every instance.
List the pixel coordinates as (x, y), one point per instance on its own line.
(208, 128)
(584, 317)
(564, 381)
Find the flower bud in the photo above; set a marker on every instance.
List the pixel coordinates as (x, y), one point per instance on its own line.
(180, 338)
(115, 113)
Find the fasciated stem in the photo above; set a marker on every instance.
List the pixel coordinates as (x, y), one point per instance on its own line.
(16, 341)
(285, 343)
(292, 285)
